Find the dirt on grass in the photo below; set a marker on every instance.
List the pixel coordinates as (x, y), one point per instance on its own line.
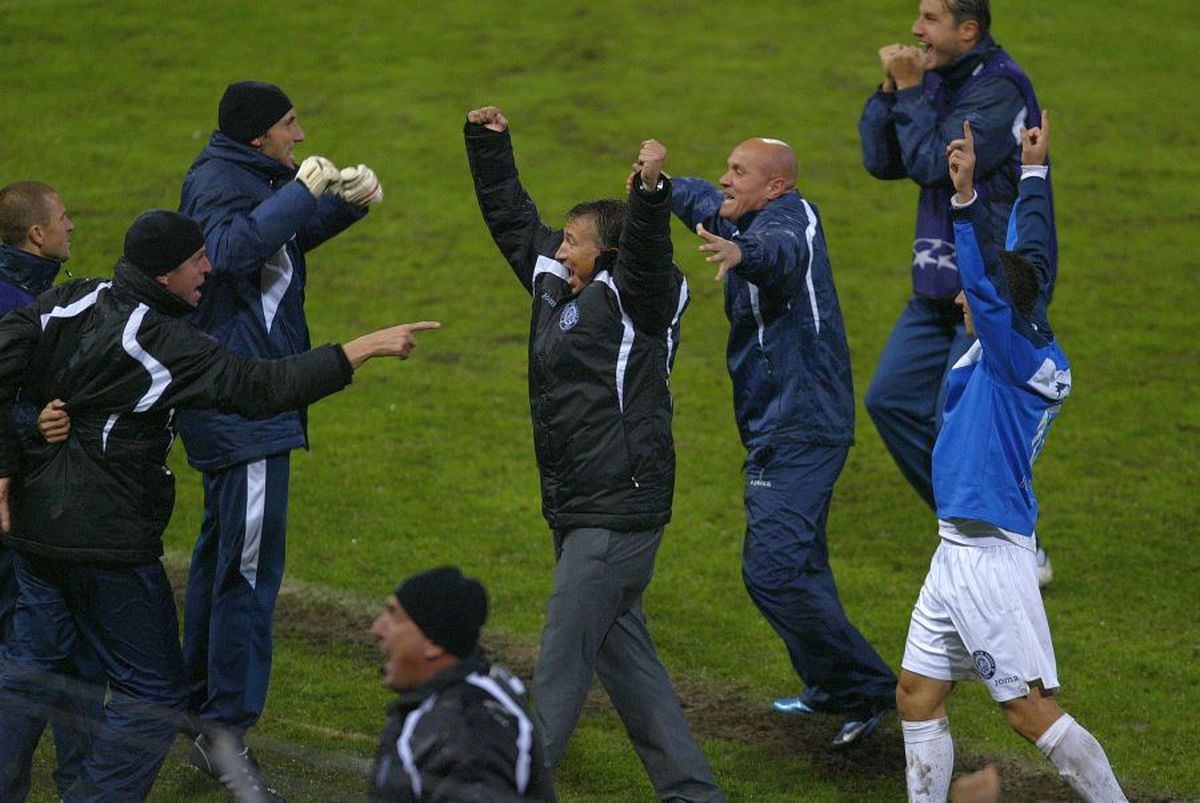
(324, 621)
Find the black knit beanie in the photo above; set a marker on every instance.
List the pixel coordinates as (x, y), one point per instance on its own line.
(159, 241)
(249, 108)
(448, 607)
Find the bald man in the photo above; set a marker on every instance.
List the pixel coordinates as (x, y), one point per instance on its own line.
(794, 403)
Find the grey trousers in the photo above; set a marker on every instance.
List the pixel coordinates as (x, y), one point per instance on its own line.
(595, 624)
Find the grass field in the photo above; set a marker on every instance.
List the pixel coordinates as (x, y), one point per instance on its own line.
(430, 461)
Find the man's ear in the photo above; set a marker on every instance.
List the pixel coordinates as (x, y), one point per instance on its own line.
(968, 33)
(432, 651)
(776, 187)
(161, 279)
(256, 143)
(35, 236)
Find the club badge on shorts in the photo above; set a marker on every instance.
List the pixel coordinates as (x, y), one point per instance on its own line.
(985, 664)
(569, 317)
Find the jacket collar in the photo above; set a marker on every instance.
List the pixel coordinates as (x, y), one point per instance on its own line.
(32, 273)
(411, 698)
(747, 220)
(958, 71)
(131, 283)
(222, 147)
(605, 261)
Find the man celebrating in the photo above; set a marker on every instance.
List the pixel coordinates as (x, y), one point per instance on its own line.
(35, 241)
(260, 215)
(979, 614)
(461, 729)
(606, 307)
(87, 517)
(955, 72)
(794, 403)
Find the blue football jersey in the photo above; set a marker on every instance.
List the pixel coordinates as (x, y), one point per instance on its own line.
(1005, 392)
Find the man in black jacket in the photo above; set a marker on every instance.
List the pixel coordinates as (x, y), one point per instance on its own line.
(461, 729)
(606, 307)
(86, 516)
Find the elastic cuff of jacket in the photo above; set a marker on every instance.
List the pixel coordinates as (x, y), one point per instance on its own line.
(954, 204)
(912, 92)
(345, 364)
(656, 198)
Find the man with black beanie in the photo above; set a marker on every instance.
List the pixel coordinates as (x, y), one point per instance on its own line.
(86, 513)
(461, 729)
(260, 214)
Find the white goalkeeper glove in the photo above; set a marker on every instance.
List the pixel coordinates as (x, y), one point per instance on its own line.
(318, 174)
(360, 186)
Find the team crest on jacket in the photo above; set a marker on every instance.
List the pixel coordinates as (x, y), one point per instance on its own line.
(569, 317)
(985, 664)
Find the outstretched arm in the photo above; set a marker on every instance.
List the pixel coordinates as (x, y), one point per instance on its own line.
(509, 212)
(206, 376)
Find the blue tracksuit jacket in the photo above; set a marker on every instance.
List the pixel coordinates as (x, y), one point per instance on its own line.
(787, 351)
(1008, 388)
(258, 223)
(904, 135)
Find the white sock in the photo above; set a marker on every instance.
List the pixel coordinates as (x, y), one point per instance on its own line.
(1081, 760)
(929, 759)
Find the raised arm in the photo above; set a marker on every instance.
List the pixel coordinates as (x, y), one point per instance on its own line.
(1005, 335)
(644, 272)
(509, 212)
(1031, 224)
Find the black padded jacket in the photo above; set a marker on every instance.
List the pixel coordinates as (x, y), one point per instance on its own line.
(466, 735)
(599, 361)
(123, 359)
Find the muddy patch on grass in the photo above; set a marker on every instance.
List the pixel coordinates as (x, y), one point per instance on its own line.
(323, 620)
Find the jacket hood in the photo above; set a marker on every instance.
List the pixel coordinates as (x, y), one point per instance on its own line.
(222, 147)
(32, 273)
(131, 282)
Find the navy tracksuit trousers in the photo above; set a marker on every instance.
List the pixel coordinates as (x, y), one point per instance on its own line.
(74, 715)
(126, 616)
(908, 391)
(234, 579)
(785, 566)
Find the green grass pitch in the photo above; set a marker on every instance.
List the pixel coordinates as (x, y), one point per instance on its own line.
(430, 461)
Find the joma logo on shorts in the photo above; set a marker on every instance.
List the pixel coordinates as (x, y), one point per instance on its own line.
(1004, 681)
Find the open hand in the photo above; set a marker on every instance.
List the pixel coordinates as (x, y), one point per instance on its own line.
(726, 253)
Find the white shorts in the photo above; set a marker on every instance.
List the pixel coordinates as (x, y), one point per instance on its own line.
(980, 617)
